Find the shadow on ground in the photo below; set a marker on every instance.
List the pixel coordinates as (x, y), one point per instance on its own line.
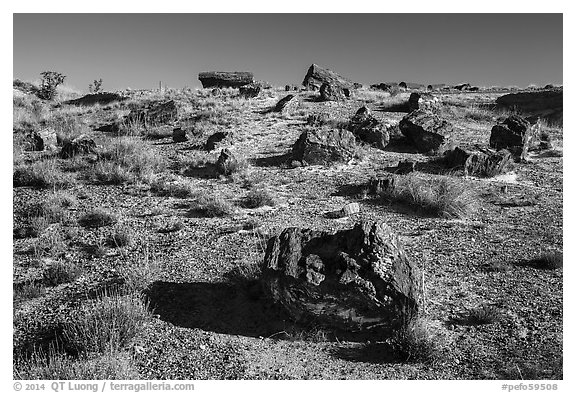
(369, 353)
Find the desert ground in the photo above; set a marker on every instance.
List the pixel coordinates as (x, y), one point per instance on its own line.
(139, 260)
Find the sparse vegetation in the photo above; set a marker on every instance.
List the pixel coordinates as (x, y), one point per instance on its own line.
(42, 174)
(97, 218)
(211, 206)
(49, 83)
(60, 272)
(258, 197)
(549, 260)
(423, 340)
(483, 315)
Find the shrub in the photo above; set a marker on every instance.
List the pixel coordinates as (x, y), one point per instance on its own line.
(140, 272)
(53, 209)
(549, 260)
(176, 190)
(211, 206)
(48, 243)
(438, 196)
(49, 82)
(121, 237)
(28, 290)
(107, 323)
(60, 272)
(96, 86)
(97, 218)
(257, 198)
(109, 172)
(128, 156)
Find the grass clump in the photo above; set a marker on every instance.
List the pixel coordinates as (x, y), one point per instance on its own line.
(108, 323)
(424, 341)
(211, 206)
(257, 198)
(121, 237)
(60, 272)
(97, 218)
(439, 196)
(483, 315)
(41, 174)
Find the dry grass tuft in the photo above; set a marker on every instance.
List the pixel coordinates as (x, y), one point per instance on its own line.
(97, 218)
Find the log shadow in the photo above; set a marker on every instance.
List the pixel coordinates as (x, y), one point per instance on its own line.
(277, 160)
(369, 353)
(397, 107)
(401, 145)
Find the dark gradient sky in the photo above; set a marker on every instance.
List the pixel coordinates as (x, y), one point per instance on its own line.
(138, 50)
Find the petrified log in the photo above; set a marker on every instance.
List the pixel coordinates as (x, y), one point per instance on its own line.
(225, 79)
(425, 101)
(39, 140)
(250, 91)
(96, 98)
(324, 146)
(286, 104)
(316, 76)
(426, 131)
(333, 92)
(179, 135)
(354, 280)
(214, 139)
(547, 104)
(77, 146)
(226, 162)
(514, 133)
(479, 162)
(369, 129)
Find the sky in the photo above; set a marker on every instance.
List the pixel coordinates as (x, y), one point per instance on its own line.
(139, 50)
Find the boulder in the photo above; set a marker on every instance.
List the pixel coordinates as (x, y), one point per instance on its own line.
(354, 280)
(40, 140)
(515, 134)
(369, 129)
(479, 162)
(250, 91)
(225, 79)
(157, 113)
(286, 104)
(424, 101)
(179, 135)
(426, 131)
(226, 162)
(463, 86)
(333, 92)
(323, 146)
(214, 139)
(381, 86)
(291, 87)
(405, 167)
(79, 145)
(403, 85)
(317, 76)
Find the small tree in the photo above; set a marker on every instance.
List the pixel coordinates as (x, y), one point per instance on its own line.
(50, 81)
(96, 86)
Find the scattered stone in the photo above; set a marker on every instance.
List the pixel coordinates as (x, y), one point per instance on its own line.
(225, 79)
(463, 86)
(424, 101)
(214, 139)
(426, 131)
(286, 104)
(403, 85)
(350, 209)
(40, 140)
(324, 146)
(481, 162)
(216, 92)
(381, 86)
(96, 98)
(250, 91)
(226, 161)
(158, 113)
(179, 135)
(405, 167)
(369, 129)
(355, 279)
(514, 133)
(333, 92)
(317, 76)
(79, 145)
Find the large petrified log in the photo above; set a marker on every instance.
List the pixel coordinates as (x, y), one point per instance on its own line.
(425, 101)
(225, 79)
(369, 129)
(79, 145)
(333, 92)
(426, 131)
(286, 104)
(96, 98)
(316, 76)
(479, 162)
(354, 280)
(547, 104)
(514, 133)
(324, 146)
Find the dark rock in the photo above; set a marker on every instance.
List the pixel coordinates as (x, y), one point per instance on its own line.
(426, 131)
(286, 104)
(97, 98)
(333, 92)
(354, 280)
(226, 163)
(514, 133)
(324, 146)
(179, 135)
(214, 139)
(112, 127)
(225, 79)
(216, 92)
(378, 185)
(369, 129)
(317, 76)
(549, 86)
(403, 85)
(381, 86)
(77, 146)
(424, 101)
(291, 87)
(481, 162)
(250, 91)
(158, 113)
(463, 86)
(39, 140)
(474, 88)
(405, 167)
